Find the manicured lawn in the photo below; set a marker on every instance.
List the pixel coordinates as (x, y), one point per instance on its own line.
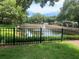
(45, 50)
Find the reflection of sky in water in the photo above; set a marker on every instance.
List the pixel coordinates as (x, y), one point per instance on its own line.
(45, 32)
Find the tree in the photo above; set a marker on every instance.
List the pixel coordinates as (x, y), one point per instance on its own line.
(50, 19)
(16, 9)
(9, 10)
(73, 12)
(70, 11)
(26, 3)
(37, 18)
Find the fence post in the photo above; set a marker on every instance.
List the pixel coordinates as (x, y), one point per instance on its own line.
(62, 30)
(13, 36)
(40, 35)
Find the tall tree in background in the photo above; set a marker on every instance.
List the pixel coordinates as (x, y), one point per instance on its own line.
(70, 11)
(37, 18)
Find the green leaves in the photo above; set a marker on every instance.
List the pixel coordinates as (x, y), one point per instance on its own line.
(26, 3)
(16, 9)
(70, 10)
(38, 18)
(10, 10)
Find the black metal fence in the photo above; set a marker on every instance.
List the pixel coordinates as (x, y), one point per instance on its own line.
(14, 36)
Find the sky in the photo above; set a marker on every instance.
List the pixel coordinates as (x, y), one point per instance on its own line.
(46, 10)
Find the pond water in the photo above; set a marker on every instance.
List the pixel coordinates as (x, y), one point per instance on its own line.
(48, 32)
(45, 32)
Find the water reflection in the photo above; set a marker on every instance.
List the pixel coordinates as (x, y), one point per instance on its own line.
(45, 32)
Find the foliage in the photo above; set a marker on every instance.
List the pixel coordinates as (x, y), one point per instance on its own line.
(10, 11)
(15, 10)
(70, 11)
(38, 18)
(26, 3)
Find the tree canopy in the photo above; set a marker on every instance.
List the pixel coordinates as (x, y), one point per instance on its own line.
(38, 18)
(16, 9)
(9, 10)
(70, 11)
(26, 3)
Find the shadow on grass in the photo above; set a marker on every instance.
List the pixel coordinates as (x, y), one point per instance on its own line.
(45, 50)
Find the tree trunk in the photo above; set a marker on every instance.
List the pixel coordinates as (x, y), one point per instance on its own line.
(78, 24)
(2, 17)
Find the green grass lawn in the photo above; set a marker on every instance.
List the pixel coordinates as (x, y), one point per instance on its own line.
(45, 50)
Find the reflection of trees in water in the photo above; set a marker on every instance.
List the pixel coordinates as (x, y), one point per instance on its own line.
(45, 32)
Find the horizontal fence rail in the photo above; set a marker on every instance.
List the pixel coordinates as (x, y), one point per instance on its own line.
(19, 36)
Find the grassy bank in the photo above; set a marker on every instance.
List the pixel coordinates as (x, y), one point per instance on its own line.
(48, 50)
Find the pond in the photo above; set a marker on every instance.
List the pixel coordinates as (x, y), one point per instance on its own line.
(45, 32)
